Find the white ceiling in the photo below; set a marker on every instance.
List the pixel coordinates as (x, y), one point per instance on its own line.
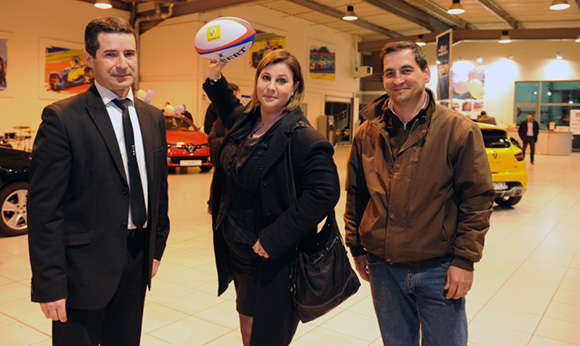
(382, 20)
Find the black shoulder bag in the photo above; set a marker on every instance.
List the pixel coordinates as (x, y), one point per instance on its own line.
(321, 277)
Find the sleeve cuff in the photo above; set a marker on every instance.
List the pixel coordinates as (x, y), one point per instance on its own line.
(462, 263)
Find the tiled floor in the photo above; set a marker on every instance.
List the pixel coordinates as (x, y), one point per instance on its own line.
(526, 290)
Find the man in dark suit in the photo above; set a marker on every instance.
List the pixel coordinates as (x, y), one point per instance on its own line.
(528, 132)
(97, 206)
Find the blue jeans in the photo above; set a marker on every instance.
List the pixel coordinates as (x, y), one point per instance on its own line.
(411, 306)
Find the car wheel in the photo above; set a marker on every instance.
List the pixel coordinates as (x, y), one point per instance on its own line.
(13, 220)
(506, 202)
(205, 168)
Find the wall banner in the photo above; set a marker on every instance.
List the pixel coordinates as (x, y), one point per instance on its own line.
(444, 42)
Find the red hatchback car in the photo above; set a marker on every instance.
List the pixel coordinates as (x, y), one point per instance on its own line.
(186, 144)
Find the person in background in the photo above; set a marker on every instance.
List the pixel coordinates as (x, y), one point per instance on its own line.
(97, 204)
(211, 114)
(186, 113)
(256, 221)
(419, 199)
(484, 118)
(528, 131)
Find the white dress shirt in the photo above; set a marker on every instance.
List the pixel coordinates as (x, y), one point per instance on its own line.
(116, 116)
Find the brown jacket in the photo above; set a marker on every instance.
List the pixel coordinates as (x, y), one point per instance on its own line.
(432, 198)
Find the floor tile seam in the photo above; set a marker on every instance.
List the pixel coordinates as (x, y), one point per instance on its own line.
(552, 298)
(504, 283)
(153, 336)
(7, 278)
(212, 321)
(167, 307)
(316, 327)
(168, 324)
(551, 338)
(11, 301)
(23, 322)
(503, 326)
(215, 339)
(189, 313)
(558, 337)
(345, 334)
(510, 233)
(10, 317)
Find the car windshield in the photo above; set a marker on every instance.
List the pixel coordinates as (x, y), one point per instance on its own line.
(179, 124)
(495, 138)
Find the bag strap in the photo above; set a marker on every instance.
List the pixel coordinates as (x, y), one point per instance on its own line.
(290, 170)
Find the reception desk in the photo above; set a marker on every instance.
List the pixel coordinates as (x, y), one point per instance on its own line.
(550, 142)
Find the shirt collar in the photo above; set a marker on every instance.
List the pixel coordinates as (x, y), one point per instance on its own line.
(392, 107)
(108, 96)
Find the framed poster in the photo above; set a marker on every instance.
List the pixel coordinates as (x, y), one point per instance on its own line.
(63, 69)
(5, 56)
(265, 43)
(322, 62)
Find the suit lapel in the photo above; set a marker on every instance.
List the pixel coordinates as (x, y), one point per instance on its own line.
(98, 113)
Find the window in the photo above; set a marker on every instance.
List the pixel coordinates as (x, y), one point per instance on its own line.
(549, 101)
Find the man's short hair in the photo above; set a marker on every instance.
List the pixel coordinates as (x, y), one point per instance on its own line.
(99, 25)
(483, 113)
(393, 47)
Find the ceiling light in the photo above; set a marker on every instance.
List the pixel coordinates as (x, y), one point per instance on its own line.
(350, 15)
(559, 56)
(455, 8)
(505, 38)
(559, 5)
(578, 38)
(103, 4)
(420, 41)
(479, 60)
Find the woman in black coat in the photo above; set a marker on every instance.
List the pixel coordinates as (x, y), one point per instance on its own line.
(256, 223)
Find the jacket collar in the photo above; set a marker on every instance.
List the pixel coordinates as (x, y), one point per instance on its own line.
(375, 112)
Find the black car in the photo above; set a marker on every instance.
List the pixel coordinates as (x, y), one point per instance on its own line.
(14, 165)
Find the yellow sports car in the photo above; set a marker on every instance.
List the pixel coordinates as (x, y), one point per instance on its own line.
(508, 168)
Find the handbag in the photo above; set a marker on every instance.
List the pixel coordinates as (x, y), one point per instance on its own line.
(321, 275)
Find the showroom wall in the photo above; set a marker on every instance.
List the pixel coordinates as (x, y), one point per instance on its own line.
(27, 23)
(168, 62)
(504, 64)
(170, 66)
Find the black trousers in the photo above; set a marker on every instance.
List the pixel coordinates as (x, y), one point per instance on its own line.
(119, 323)
(529, 140)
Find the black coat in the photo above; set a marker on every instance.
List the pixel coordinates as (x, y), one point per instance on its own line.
(283, 224)
(78, 201)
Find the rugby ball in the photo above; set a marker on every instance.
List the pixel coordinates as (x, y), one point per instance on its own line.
(224, 39)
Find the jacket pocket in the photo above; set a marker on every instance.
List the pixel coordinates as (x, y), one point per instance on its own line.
(78, 238)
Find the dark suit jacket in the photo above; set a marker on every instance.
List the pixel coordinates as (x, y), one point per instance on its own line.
(523, 130)
(78, 201)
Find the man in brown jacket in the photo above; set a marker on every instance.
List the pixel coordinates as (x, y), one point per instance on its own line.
(419, 198)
